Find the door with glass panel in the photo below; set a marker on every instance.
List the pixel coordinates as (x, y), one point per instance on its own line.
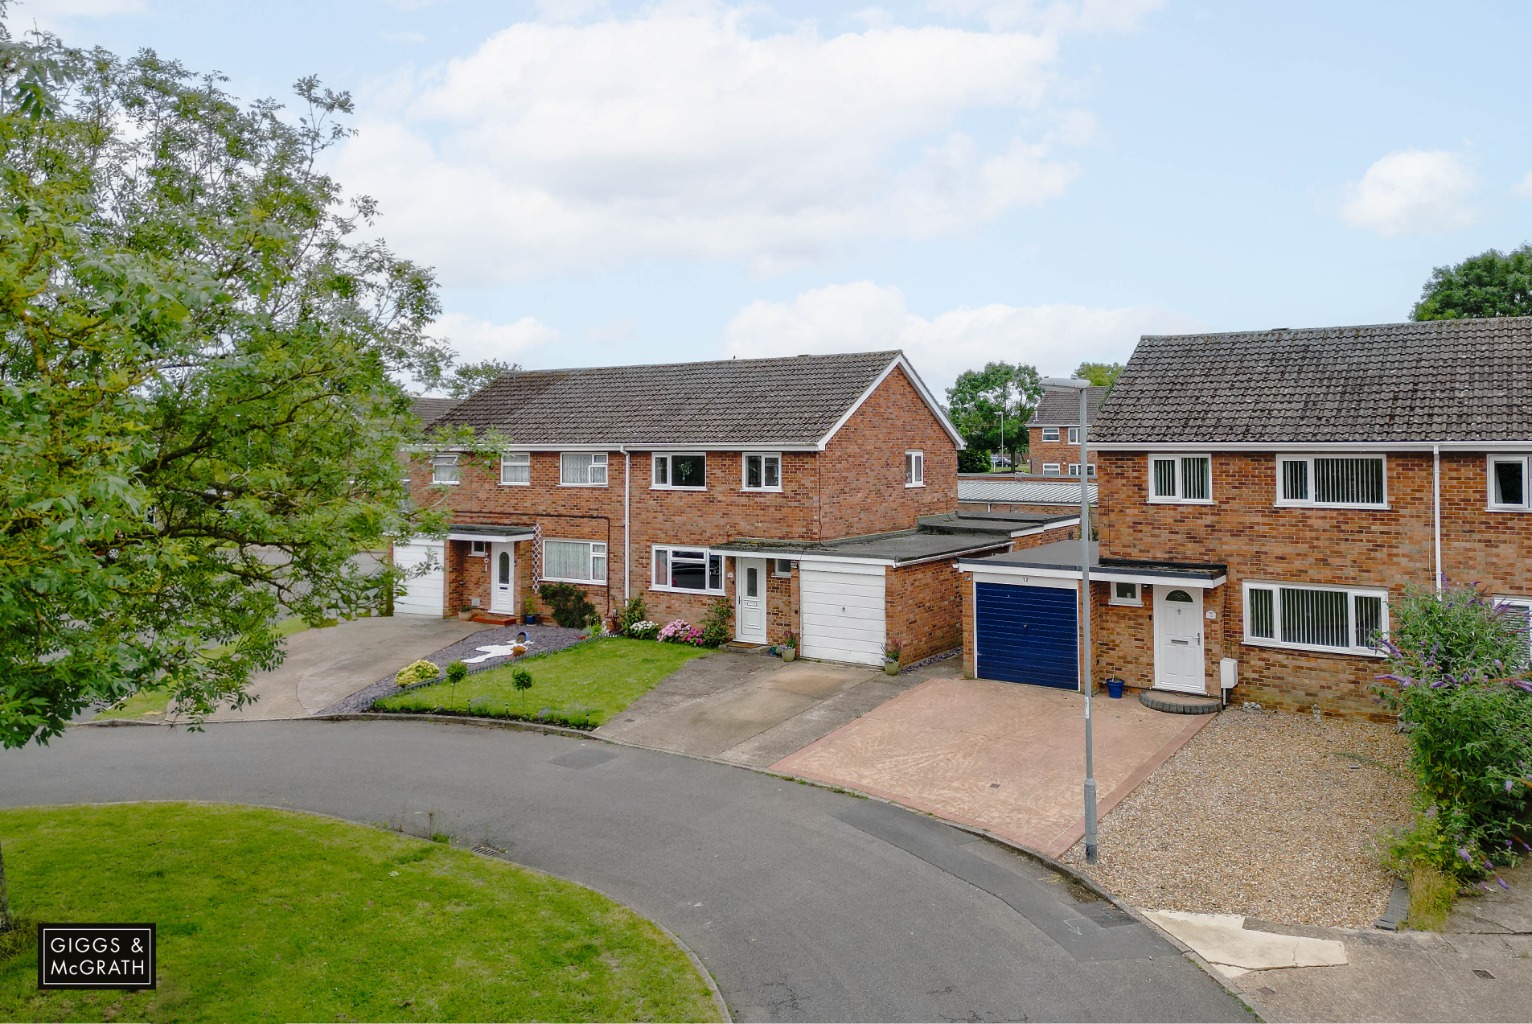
(1178, 653)
(502, 578)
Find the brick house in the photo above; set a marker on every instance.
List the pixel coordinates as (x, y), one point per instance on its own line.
(1053, 437)
(816, 494)
(1265, 496)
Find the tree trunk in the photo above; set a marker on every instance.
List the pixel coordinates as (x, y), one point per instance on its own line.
(6, 924)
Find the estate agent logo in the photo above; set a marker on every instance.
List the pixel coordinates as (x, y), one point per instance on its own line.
(95, 956)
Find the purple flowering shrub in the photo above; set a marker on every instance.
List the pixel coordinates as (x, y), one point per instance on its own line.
(1459, 682)
(680, 632)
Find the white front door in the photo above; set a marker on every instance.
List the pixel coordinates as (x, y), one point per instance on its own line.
(1178, 660)
(750, 600)
(502, 578)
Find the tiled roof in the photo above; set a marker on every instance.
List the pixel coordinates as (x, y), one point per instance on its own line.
(1062, 408)
(789, 401)
(1061, 491)
(1441, 380)
(429, 410)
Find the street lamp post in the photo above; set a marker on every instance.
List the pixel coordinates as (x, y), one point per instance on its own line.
(1083, 387)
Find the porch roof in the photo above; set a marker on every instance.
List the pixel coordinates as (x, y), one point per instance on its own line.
(499, 534)
(1061, 560)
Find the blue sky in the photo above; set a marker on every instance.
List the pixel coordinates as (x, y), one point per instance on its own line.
(966, 179)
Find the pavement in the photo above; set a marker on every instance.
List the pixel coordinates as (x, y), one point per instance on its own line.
(999, 756)
(323, 665)
(804, 904)
(750, 709)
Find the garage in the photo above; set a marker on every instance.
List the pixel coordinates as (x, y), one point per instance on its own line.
(1027, 634)
(842, 611)
(424, 594)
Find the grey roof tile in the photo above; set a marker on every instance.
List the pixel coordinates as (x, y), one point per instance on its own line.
(1062, 408)
(428, 410)
(1442, 380)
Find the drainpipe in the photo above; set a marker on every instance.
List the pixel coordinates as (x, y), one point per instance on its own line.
(627, 522)
(1436, 502)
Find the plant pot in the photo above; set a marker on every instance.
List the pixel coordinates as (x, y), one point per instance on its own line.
(1114, 689)
(465, 616)
(789, 653)
(890, 668)
(530, 618)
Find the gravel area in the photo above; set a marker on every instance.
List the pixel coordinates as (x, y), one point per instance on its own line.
(540, 640)
(1266, 814)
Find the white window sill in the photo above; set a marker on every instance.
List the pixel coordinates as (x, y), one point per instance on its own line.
(669, 487)
(515, 483)
(1507, 508)
(1324, 505)
(682, 590)
(914, 485)
(1176, 501)
(562, 484)
(583, 583)
(1355, 652)
(445, 483)
(1114, 603)
(760, 490)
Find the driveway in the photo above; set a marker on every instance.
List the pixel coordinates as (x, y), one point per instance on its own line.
(804, 904)
(324, 665)
(750, 709)
(1001, 756)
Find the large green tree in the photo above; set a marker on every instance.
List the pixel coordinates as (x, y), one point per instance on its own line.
(1492, 283)
(1103, 375)
(991, 407)
(464, 380)
(199, 363)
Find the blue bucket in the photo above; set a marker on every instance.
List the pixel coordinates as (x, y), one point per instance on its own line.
(1114, 689)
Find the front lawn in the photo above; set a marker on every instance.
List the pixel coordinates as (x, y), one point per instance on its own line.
(270, 915)
(583, 685)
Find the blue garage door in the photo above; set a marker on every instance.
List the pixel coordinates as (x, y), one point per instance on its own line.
(1027, 634)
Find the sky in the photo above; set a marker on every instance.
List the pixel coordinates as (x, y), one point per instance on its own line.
(1037, 181)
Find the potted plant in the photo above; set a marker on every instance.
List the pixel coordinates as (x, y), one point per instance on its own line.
(530, 604)
(466, 612)
(891, 658)
(789, 646)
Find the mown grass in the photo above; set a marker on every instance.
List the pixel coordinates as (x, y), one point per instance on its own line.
(155, 703)
(268, 915)
(586, 684)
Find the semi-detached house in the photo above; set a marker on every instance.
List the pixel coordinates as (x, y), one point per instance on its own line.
(816, 494)
(1264, 497)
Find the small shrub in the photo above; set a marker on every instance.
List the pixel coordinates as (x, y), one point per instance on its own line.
(643, 630)
(680, 632)
(790, 640)
(568, 604)
(632, 614)
(457, 671)
(892, 651)
(715, 624)
(417, 672)
(521, 679)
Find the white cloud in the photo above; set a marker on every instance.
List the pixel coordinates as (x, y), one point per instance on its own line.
(474, 339)
(1413, 191)
(863, 316)
(1523, 188)
(1057, 15)
(80, 8)
(681, 133)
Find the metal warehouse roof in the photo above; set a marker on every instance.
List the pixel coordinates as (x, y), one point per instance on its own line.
(1062, 491)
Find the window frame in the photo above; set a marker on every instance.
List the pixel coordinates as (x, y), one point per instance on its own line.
(654, 476)
(1489, 483)
(446, 459)
(1074, 470)
(504, 460)
(777, 570)
(597, 459)
(1074, 436)
(1046, 431)
(744, 471)
(1052, 469)
(590, 559)
(1524, 603)
(478, 549)
(1311, 501)
(914, 467)
(708, 554)
(1136, 601)
(1276, 641)
(1180, 483)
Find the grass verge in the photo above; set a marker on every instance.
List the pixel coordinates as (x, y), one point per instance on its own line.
(269, 915)
(582, 686)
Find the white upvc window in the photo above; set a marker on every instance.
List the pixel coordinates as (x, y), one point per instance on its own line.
(762, 472)
(574, 561)
(914, 469)
(516, 469)
(1074, 469)
(1339, 620)
(1181, 478)
(582, 469)
(1508, 483)
(1050, 433)
(782, 567)
(1126, 594)
(689, 570)
(1074, 435)
(680, 472)
(1051, 469)
(478, 548)
(1324, 481)
(445, 470)
(1518, 610)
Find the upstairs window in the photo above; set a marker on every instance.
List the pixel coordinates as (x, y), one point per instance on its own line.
(680, 472)
(1508, 491)
(1315, 618)
(914, 469)
(582, 469)
(1352, 481)
(763, 472)
(444, 469)
(516, 468)
(1074, 435)
(1050, 433)
(1184, 478)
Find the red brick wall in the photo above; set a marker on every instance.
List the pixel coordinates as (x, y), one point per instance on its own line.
(920, 601)
(1060, 451)
(862, 469)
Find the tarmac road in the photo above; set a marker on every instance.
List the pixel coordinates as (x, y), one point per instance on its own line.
(804, 904)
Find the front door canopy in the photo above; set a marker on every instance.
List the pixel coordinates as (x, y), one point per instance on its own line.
(1061, 560)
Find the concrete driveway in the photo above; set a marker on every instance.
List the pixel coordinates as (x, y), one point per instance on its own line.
(324, 665)
(1001, 756)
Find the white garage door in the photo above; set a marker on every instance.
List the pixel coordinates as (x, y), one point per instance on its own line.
(842, 611)
(424, 593)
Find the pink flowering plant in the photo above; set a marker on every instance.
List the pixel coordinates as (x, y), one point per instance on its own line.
(680, 632)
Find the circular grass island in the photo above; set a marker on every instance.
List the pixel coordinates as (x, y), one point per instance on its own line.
(271, 915)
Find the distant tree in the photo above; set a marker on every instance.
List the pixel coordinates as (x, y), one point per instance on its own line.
(1103, 375)
(973, 460)
(1492, 283)
(466, 379)
(1000, 397)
